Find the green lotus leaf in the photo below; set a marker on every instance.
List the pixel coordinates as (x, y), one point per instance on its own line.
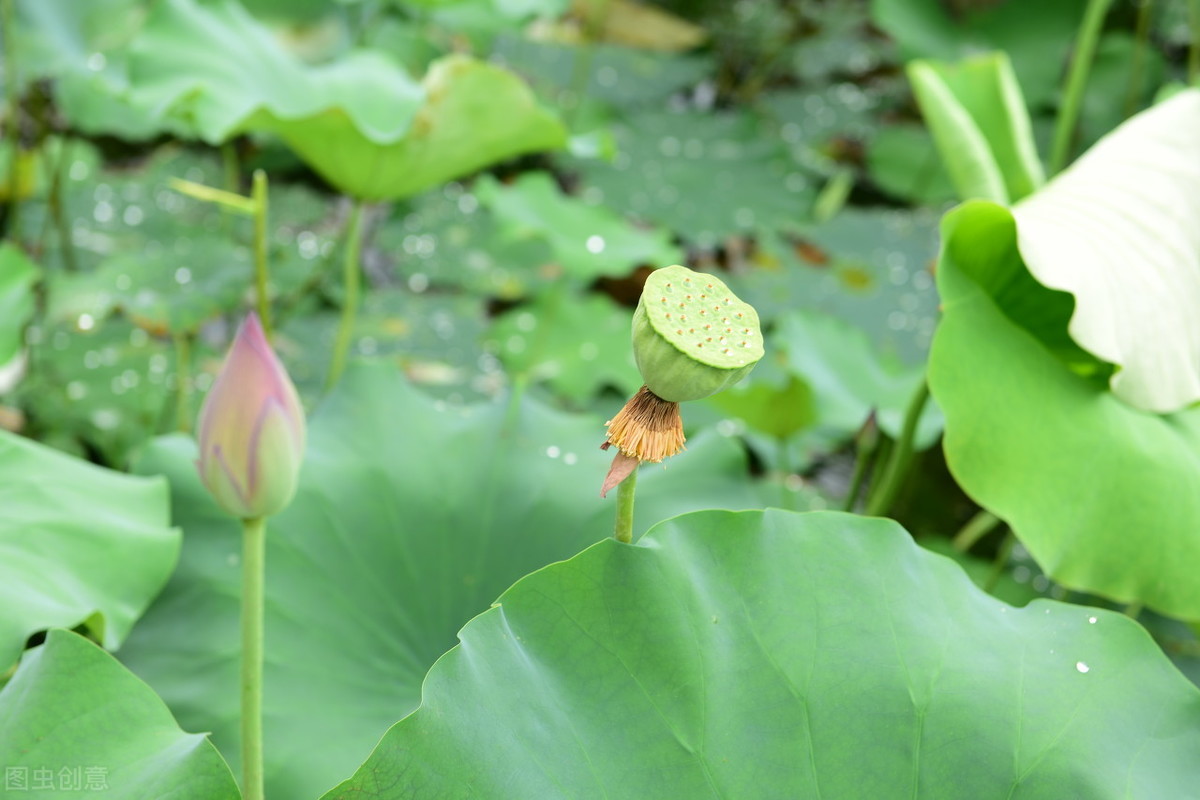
(588, 241)
(412, 516)
(578, 348)
(82, 545)
(774, 654)
(83, 49)
(361, 122)
(705, 174)
(1106, 497)
(849, 379)
(73, 721)
(977, 116)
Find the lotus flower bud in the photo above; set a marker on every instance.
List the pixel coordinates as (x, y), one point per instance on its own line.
(251, 429)
(691, 338)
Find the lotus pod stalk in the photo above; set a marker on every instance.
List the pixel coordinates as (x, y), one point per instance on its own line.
(251, 430)
(691, 338)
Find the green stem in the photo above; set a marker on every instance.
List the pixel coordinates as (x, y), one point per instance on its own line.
(1141, 36)
(254, 537)
(1133, 610)
(1077, 75)
(230, 170)
(1194, 46)
(786, 496)
(1001, 561)
(261, 206)
(864, 458)
(183, 382)
(893, 473)
(66, 247)
(976, 528)
(625, 491)
(351, 278)
(7, 22)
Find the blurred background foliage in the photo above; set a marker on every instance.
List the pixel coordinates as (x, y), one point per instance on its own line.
(519, 165)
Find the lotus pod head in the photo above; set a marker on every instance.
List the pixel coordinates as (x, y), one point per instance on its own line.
(691, 336)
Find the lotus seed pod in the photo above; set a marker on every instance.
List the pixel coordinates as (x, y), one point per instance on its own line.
(691, 336)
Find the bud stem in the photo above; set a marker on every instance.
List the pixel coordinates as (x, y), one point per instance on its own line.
(625, 491)
(253, 562)
(183, 380)
(259, 194)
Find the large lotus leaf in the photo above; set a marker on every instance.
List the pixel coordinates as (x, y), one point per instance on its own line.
(578, 346)
(705, 175)
(171, 260)
(870, 267)
(82, 48)
(74, 721)
(588, 241)
(105, 390)
(1118, 230)
(113, 210)
(903, 160)
(214, 66)
(977, 116)
(453, 241)
(361, 122)
(1037, 37)
(837, 43)
(774, 654)
(17, 277)
(433, 337)
(412, 516)
(816, 118)
(81, 545)
(618, 76)
(1105, 497)
(849, 379)
(474, 114)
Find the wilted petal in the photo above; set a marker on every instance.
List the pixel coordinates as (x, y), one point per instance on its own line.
(622, 467)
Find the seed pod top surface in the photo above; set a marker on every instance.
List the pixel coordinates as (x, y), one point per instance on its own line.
(700, 316)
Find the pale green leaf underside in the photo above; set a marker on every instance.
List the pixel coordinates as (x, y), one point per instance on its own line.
(1120, 230)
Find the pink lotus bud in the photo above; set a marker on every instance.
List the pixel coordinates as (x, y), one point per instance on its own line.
(251, 429)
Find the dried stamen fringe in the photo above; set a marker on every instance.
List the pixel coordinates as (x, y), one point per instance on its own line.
(648, 428)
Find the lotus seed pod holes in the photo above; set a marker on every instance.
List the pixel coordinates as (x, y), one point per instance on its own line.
(700, 316)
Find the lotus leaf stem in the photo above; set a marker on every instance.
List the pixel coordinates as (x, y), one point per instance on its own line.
(351, 281)
(1077, 75)
(897, 465)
